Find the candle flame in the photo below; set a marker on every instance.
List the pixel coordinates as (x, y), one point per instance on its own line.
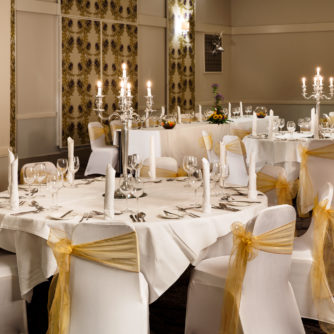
(124, 66)
(99, 84)
(149, 84)
(128, 86)
(318, 70)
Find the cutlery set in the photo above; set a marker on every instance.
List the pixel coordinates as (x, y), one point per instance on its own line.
(138, 218)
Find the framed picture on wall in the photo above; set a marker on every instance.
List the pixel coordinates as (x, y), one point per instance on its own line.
(213, 60)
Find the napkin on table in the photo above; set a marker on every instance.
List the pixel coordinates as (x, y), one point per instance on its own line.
(179, 119)
(254, 125)
(11, 158)
(14, 188)
(206, 205)
(252, 191)
(152, 170)
(70, 148)
(109, 210)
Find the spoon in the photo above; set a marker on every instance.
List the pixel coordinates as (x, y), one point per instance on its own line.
(141, 216)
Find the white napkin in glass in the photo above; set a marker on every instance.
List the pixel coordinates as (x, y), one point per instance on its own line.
(271, 124)
(206, 206)
(11, 158)
(14, 188)
(179, 119)
(162, 112)
(312, 120)
(70, 148)
(254, 125)
(241, 110)
(152, 170)
(229, 110)
(252, 191)
(109, 209)
(200, 116)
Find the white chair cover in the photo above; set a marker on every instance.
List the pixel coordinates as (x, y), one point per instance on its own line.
(267, 302)
(207, 139)
(102, 154)
(12, 307)
(106, 300)
(300, 275)
(163, 164)
(50, 169)
(114, 126)
(237, 165)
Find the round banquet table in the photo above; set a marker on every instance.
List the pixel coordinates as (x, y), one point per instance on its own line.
(167, 246)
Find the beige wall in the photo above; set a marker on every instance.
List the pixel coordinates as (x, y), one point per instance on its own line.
(4, 88)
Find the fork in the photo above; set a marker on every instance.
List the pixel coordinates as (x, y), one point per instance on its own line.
(188, 213)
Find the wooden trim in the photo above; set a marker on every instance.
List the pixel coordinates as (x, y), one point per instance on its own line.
(40, 7)
(212, 28)
(37, 115)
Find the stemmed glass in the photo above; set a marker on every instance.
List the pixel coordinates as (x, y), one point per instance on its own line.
(281, 123)
(189, 164)
(224, 173)
(215, 176)
(54, 183)
(40, 172)
(134, 163)
(196, 180)
(300, 123)
(291, 126)
(126, 188)
(248, 111)
(62, 166)
(29, 176)
(76, 165)
(137, 190)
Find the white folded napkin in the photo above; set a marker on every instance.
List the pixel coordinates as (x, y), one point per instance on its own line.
(312, 120)
(271, 124)
(241, 110)
(152, 171)
(11, 158)
(70, 149)
(252, 191)
(206, 205)
(162, 112)
(254, 125)
(222, 153)
(229, 110)
(200, 116)
(109, 209)
(14, 188)
(147, 121)
(179, 119)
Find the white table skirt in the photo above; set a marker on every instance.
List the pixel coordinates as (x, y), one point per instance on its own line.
(167, 247)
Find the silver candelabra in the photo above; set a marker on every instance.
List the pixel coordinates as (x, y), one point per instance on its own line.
(318, 95)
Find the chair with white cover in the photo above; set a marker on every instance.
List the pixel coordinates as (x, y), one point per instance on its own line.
(208, 144)
(13, 317)
(115, 126)
(267, 303)
(301, 266)
(107, 292)
(102, 154)
(50, 169)
(236, 160)
(165, 167)
(273, 181)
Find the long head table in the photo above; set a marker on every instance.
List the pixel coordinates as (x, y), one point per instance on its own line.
(167, 247)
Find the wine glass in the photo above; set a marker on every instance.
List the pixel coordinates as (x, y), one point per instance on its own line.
(137, 190)
(189, 164)
(196, 180)
(53, 184)
(224, 173)
(76, 165)
(40, 172)
(126, 187)
(215, 176)
(291, 126)
(248, 110)
(62, 166)
(281, 123)
(29, 176)
(300, 123)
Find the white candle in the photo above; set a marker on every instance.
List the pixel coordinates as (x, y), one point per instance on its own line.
(312, 120)
(318, 70)
(99, 88)
(252, 192)
(241, 110)
(222, 153)
(122, 88)
(149, 85)
(254, 125)
(129, 88)
(304, 82)
(124, 70)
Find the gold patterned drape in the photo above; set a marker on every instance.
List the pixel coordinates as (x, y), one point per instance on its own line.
(181, 56)
(85, 25)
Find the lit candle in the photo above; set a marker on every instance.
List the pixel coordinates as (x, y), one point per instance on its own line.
(318, 70)
(331, 82)
(304, 82)
(320, 80)
(124, 70)
(122, 88)
(99, 88)
(129, 89)
(149, 85)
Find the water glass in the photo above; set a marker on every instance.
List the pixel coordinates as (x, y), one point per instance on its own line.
(224, 173)
(29, 176)
(62, 166)
(189, 164)
(215, 176)
(281, 123)
(53, 184)
(126, 188)
(137, 191)
(249, 111)
(196, 179)
(291, 126)
(40, 172)
(300, 123)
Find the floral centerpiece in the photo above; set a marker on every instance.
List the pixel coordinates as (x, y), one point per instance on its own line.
(218, 116)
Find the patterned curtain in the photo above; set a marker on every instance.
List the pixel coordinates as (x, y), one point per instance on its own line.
(93, 48)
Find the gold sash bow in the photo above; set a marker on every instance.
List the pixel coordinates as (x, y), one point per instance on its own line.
(241, 133)
(235, 146)
(306, 192)
(206, 142)
(96, 132)
(285, 191)
(160, 172)
(119, 252)
(245, 247)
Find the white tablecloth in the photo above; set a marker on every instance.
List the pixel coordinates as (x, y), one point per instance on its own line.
(167, 247)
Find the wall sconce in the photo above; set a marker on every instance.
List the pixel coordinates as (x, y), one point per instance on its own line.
(182, 25)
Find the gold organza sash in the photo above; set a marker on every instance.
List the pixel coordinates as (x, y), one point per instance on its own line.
(285, 191)
(245, 247)
(241, 133)
(322, 272)
(235, 146)
(206, 142)
(96, 132)
(306, 192)
(119, 252)
(160, 172)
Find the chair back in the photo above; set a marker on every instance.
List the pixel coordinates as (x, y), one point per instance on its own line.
(165, 167)
(96, 135)
(105, 300)
(115, 125)
(50, 169)
(267, 303)
(237, 163)
(208, 144)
